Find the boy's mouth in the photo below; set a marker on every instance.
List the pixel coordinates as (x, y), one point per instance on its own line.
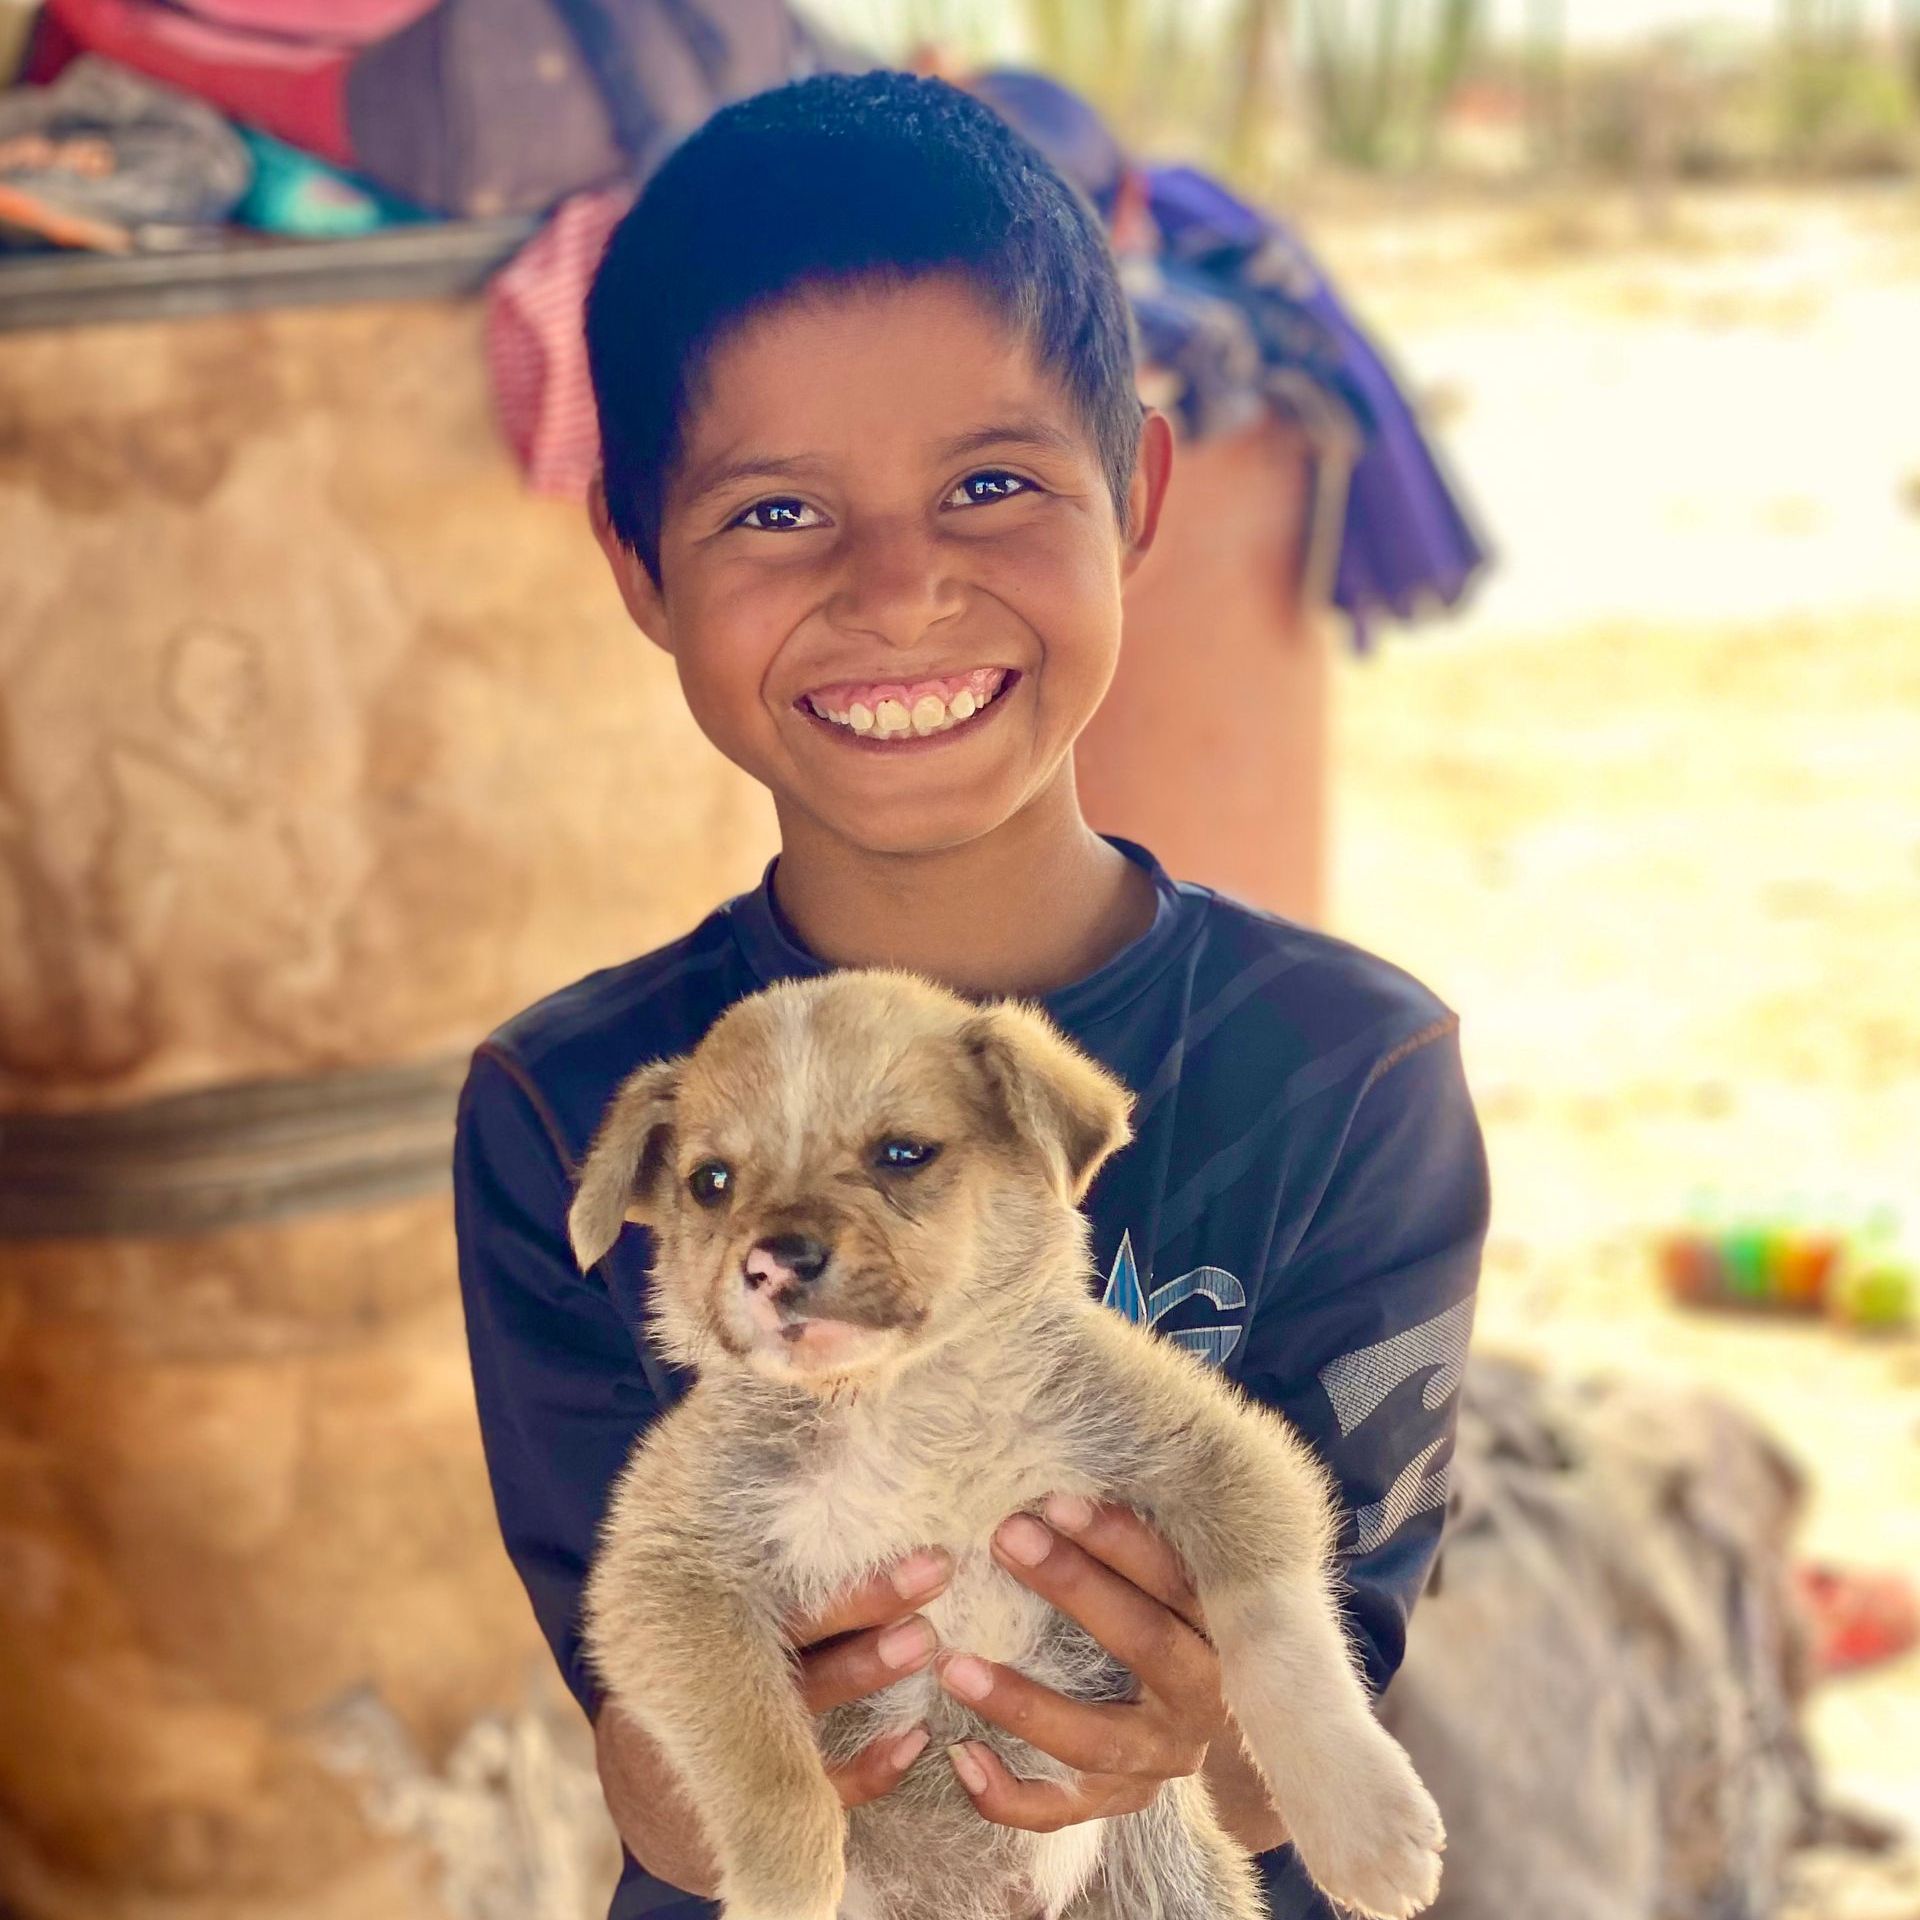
(884, 710)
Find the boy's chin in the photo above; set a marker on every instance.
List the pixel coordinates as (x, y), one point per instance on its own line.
(915, 827)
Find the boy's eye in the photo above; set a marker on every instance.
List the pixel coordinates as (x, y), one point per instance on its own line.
(977, 489)
(903, 1156)
(710, 1182)
(779, 516)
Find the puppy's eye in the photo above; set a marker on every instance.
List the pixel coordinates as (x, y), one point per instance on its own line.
(710, 1182)
(903, 1156)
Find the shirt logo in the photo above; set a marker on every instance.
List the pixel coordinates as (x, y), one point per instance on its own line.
(1359, 1385)
(1132, 1301)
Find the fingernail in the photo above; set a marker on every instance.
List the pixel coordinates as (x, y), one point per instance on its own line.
(1068, 1511)
(1025, 1539)
(906, 1643)
(967, 1677)
(908, 1748)
(919, 1573)
(973, 1776)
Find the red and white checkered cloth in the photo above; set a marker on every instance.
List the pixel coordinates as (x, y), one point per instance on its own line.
(537, 345)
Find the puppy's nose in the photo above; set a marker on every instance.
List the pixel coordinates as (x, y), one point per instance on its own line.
(785, 1260)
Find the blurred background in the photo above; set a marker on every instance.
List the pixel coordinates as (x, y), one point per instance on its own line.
(1549, 501)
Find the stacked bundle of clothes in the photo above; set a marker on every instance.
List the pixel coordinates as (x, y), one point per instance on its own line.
(146, 122)
(1604, 1681)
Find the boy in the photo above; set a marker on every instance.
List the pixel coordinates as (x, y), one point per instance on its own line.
(875, 471)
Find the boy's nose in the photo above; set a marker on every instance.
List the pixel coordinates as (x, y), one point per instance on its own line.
(897, 584)
(785, 1261)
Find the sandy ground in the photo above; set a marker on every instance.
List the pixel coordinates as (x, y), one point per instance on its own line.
(1649, 816)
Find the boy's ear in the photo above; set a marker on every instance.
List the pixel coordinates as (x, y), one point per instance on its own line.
(627, 1164)
(645, 608)
(1152, 472)
(1043, 1088)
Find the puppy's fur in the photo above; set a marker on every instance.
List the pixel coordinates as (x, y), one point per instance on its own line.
(944, 1367)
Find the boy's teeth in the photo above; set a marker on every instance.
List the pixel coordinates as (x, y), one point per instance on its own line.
(897, 714)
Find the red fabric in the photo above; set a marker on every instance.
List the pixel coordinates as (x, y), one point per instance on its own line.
(537, 345)
(50, 51)
(1858, 1619)
(295, 91)
(355, 23)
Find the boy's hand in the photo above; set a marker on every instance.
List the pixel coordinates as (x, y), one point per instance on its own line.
(1126, 1586)
(865, 1639)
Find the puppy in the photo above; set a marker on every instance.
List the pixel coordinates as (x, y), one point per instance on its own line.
(864, 1193)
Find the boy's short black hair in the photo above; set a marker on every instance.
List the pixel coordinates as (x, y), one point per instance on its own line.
(834, 180)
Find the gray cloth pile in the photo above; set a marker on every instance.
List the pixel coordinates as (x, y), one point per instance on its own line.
(1601, 1687)
(104, 143)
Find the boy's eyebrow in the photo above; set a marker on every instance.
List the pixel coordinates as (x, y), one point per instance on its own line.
(1028, 431)
(723, 473)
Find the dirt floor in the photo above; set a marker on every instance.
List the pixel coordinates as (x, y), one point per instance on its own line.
(1649, 815)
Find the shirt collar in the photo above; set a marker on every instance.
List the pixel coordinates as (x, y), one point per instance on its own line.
(773, 950)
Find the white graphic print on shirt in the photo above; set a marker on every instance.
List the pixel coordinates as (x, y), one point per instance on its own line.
(1358, 1384)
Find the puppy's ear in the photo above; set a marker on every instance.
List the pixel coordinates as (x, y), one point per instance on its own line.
(624, 1167)
(1048, 1092)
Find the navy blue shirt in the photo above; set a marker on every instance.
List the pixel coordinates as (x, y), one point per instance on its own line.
(1303, 1203)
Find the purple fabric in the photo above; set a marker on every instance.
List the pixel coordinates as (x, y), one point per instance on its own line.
(1237, 308)
(1408, 542)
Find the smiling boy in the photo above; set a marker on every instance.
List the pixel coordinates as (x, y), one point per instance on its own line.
(875, 474)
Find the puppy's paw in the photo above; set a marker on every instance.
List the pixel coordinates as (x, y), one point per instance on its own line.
(788, 1862)
(764, 1901)
(1375, 1843)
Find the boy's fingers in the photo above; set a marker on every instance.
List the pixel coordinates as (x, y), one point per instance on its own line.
(877, 1769)
(1090, 1736)
(863, 1663)
(1126, 1543)
(1040, 1806)
(872, 1602)
(1152, 1640)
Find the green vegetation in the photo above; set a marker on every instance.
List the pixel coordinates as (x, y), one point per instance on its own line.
(1260, 88)
(1381, 76)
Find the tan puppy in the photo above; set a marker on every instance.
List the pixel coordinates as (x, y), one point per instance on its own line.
(865, 1197)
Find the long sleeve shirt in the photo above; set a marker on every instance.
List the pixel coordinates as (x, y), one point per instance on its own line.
(1303, 1203)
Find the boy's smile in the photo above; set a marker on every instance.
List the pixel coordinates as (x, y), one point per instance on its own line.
(890, 564)
(904, 711)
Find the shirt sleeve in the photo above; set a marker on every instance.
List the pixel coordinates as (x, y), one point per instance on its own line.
(556, 1371)
(1361, 1333)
